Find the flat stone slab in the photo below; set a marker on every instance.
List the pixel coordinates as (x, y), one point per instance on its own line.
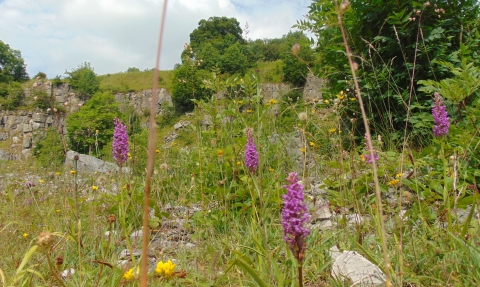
(351, 265)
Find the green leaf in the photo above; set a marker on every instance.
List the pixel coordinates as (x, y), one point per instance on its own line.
(26, 258)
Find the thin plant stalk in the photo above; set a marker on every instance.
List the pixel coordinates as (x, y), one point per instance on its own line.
(54, 272)
(300, 275)
(383, 236)
(151, 155)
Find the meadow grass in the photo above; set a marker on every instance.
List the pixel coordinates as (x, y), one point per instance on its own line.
(134, 81)
(236, 238)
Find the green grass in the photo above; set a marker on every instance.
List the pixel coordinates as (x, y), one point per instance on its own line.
(134, 81)
(231, 224)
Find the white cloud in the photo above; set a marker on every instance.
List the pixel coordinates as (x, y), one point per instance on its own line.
(58, 35)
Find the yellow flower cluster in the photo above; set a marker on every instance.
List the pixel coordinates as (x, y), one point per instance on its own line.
(165, 269)
(131, 274)
(341, 95)
(393, 182)
(271, 102)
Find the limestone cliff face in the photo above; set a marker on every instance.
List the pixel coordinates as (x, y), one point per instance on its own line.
(24, 128)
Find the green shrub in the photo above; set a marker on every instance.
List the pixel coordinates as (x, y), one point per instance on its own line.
(40, 75)
(96, 114)
(43, 100)
(84, 81)
(50, 150)
(11, 96)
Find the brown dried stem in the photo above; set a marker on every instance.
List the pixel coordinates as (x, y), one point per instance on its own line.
(151, 156)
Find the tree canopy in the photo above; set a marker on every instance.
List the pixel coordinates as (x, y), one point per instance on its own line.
(391, 41)
(12, 65)
(84, 81)
(221, 32)
(96, 114)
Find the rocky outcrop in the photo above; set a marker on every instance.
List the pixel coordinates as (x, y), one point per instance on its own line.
(313, 87)
(142, 101)
(25, 128)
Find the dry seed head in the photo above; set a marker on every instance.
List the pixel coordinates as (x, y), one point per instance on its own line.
(302, 116)
(111, 218)
(344, 6)
(45, 240)
(295, 49)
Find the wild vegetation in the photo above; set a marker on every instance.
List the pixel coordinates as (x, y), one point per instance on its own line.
(255, 191)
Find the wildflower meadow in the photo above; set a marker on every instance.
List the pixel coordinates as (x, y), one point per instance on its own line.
(373, 183)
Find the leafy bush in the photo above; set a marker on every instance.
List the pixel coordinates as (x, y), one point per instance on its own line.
(96, 114)
(11, 96)
(187, 85)
(84, 81)
(40, 75)
(296, 67)
(391, 42)
(43, 100)
(57, 81)
(50, 150)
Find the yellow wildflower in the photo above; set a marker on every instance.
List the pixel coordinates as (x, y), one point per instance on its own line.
(94, 188)
(332, 130)
(240, 102)
(58, 210)
(341, 96)
(97, 131)
(271, 170)
(314, 111)
(220, 153)
(157, 151)
(272, 101)
(398, 175)
(362, 157)
(130, 274)
(239, 163)
(312, 144)
(248, 111)
(165, 269)
(57, 173)
(393, 182)
(303, 150)
(41, 180)
(72, 172)
(326, 102)
(25, 235)
(353, 99)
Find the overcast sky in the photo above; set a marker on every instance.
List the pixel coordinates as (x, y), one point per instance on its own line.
(58, 35)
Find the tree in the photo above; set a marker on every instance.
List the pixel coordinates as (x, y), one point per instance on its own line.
(221, 32)
(96, 114)
(295, 68)
(84, 81)
(187, 84)
(12, 66)
(209, 56)
(391, 41)
(233, 60)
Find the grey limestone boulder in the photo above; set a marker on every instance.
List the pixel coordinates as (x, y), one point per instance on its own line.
(88, 163)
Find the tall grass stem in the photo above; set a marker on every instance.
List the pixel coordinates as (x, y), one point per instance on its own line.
(383, 236)
(151, 155)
